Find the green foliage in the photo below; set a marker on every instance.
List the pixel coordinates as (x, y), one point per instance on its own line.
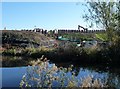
(9, 52)
(78, 36)
(114, 50)
(103, 14)
(70, 52)
(107, 15)
(102, 36)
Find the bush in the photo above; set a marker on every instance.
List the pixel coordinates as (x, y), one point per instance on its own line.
(9, 52)
(43, 74)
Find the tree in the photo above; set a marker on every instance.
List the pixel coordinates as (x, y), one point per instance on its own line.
(104, 14)
(118, 17)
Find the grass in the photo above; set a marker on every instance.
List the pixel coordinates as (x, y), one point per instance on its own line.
(78, 36)
(65, 53)
(70, 53)
(101, 36)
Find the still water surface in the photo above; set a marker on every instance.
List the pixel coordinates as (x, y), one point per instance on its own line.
(11, 76)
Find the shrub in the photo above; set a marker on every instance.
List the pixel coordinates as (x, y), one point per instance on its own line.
(9, 52)
(43, 74)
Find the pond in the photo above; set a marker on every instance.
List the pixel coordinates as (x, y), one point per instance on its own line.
(11, 76)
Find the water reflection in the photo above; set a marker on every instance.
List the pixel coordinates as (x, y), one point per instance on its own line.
(15, 61)
(11, 77)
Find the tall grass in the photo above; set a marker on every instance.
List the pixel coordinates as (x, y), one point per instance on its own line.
(70, 52)
(42, 74)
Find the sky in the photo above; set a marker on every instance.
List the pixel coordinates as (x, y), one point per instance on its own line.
(46, 15)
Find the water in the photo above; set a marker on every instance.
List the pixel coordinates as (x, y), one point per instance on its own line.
(11, 76)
